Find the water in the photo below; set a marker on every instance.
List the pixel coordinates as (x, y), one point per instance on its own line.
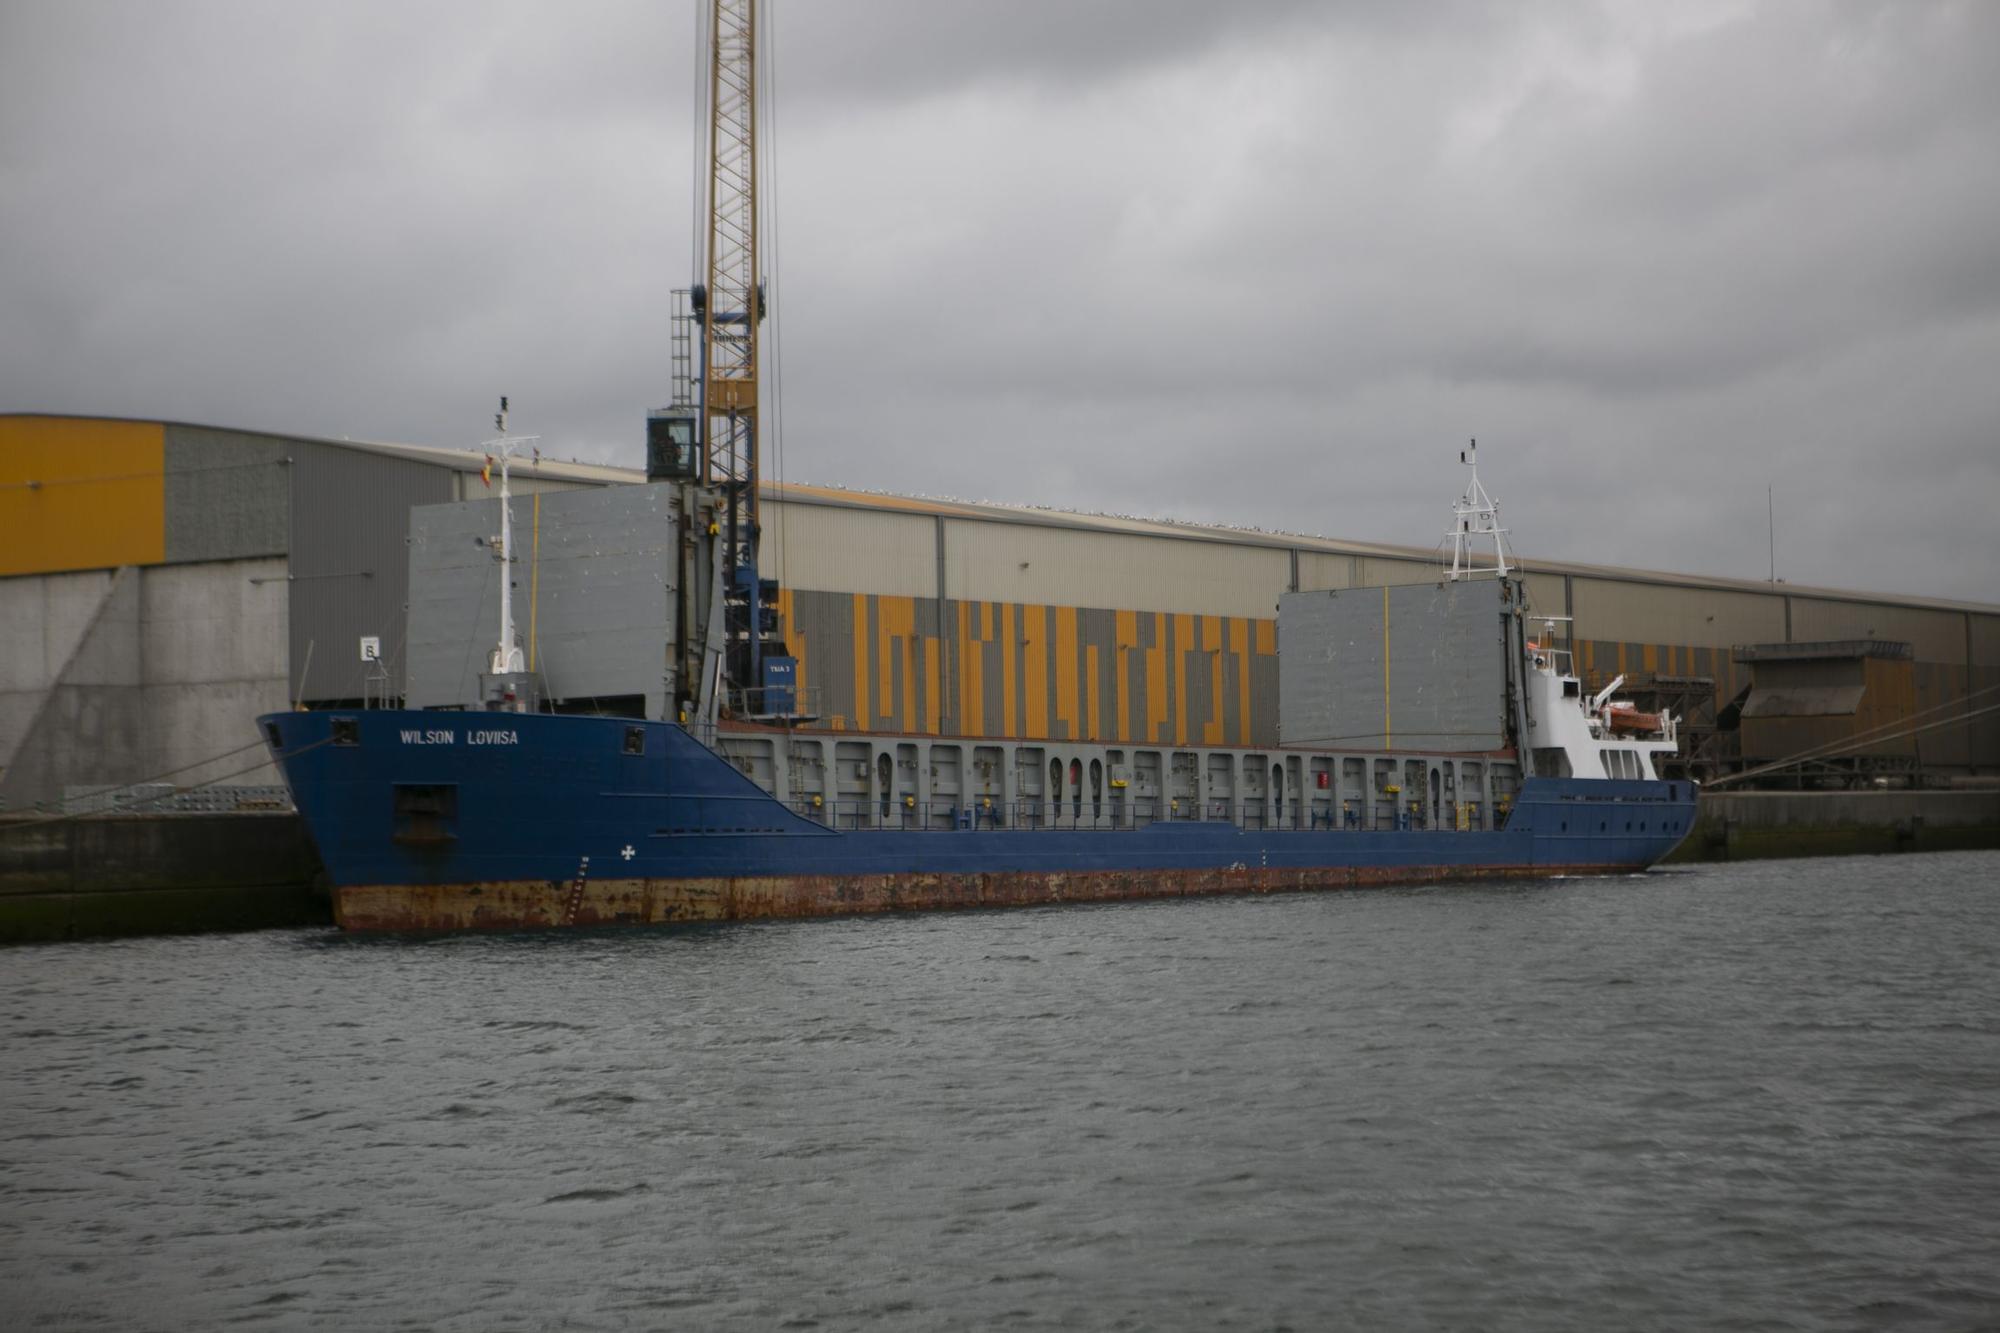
(1737, 1097)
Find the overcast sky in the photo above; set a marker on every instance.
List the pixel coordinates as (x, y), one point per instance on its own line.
(1265, 264)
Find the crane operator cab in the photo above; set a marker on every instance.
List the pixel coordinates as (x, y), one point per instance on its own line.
(671, 454)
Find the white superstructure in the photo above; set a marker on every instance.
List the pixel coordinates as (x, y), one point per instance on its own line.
(1596, 736)
(1571, 734)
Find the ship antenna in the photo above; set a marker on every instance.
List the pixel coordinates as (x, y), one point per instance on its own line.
(506, 659)
(1476, 515)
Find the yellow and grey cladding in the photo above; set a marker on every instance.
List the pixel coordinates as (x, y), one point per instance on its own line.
(907, 614)
(873, 662)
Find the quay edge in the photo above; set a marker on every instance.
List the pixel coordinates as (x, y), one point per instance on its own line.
(1769, 825)
(156, 874)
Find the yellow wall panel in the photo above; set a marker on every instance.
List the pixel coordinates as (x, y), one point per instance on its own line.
(933, 682)
(80, 494)
(863, 714)
(1156, 681)
(975, 670)
(1066, 668)
(886, 649)
(1183, 643)
(1239, 648)
(1034, 661)
(1010, 655)
(1090, 703)
(900, 614)
(961, 652)
(1126, 634)
(1211, 644)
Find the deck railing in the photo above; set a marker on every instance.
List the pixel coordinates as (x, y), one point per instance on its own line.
(941, 816)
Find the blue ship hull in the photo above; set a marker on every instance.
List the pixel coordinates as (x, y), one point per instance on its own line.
(449, 820)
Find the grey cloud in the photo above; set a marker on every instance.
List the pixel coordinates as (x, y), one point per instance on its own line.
(1258, 264)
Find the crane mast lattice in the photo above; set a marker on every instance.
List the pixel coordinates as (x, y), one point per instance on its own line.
(731, 307)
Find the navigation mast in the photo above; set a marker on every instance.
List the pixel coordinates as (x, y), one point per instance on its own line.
(507, 684)
(1475, 515)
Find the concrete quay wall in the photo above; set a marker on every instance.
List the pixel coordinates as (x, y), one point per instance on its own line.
(1745, 825)
(155, 875)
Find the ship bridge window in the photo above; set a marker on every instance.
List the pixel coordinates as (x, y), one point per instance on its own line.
(1571, 689)
(1621, 764)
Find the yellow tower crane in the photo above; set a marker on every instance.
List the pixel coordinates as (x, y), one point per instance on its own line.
(711, 433)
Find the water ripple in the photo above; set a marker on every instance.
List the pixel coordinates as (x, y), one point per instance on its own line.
(1753, 1097)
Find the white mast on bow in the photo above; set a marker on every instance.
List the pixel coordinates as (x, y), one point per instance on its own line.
(506, 658)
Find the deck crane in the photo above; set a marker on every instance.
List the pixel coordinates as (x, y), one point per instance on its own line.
(711, 432)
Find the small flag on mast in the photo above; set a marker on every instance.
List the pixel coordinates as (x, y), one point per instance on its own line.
(486, 473)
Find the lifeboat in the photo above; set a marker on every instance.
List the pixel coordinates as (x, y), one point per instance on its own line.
(1623, 719)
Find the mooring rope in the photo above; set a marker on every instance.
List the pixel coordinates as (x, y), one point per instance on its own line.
(8, 825)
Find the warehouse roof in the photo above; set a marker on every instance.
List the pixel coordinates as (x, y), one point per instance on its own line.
(471, 460)
(458, 460)
(1244, 536)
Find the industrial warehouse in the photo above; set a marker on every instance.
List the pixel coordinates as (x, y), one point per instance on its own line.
(163, 583)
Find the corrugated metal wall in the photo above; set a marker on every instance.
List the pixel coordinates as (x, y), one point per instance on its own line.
(1317, 569)
(1938, 636)
(1054, 631)
(228, 494)
(594, 595)
(1639, 613)
(1033, 670)
(1003, 562)
(350, 565)
(828, 548)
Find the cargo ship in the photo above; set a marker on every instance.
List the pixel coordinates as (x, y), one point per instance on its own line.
(706, 787)
(491, 813)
